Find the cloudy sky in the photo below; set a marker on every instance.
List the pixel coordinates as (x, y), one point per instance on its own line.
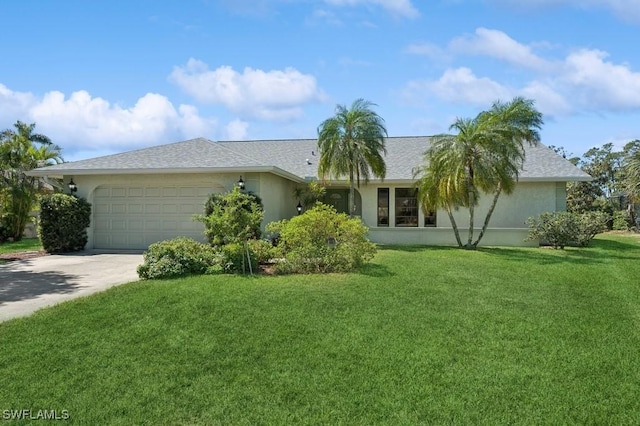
(108, 76)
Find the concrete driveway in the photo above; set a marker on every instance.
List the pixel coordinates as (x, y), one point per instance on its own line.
(31, 284)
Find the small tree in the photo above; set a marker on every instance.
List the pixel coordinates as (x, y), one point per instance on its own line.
(232, 218)
(310, 194)
(21, 150)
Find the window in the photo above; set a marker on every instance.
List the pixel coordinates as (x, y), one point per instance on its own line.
(406, 207)
(430, 219)
(383, 206)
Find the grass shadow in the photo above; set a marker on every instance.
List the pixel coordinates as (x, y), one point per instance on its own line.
(375, 270)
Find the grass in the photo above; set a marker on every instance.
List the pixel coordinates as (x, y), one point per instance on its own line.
(26, 244)
(422, 335)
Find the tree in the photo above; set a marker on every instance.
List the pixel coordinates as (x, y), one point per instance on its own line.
(485, 156)
(352, 144)
(631, 176)
(21, 150)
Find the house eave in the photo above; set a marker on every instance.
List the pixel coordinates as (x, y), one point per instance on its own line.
(44, 172)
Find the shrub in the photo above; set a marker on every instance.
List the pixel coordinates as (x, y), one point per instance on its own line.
(177, 257)
(64, 220)
(560, 229)
(234, 259)
(263, 250)
(322, 240)
(622, 221)
(232, 217)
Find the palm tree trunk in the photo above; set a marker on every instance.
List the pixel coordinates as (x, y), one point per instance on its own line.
(489, 213)
(454, 225)
(472, 203)
(352, 194)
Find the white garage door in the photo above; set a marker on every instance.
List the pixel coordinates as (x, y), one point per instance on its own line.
(132, 217)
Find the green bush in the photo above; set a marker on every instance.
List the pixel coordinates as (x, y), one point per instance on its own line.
(621, 221)
(560, 229)
(322, 240)
(178, 257)
(263, 250)
(64, 220)
(232, 217)
(234, 259)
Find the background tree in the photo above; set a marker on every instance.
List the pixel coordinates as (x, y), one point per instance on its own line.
(21, 150)
(631, 177)
(352, 144)
(485, 156)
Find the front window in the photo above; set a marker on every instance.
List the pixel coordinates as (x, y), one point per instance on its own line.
(430, 218)
(383, 206)
(406, 207)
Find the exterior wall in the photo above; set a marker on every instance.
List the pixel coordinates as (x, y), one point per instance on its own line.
(507, 227)
(277, 197)
(276, 192)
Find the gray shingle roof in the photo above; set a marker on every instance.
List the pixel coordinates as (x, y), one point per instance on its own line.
(290, 156)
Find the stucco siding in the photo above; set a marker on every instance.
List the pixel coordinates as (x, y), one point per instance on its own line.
(277, 197)
(508, 225)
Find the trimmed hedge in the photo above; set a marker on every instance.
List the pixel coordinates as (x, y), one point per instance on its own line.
(64, 220)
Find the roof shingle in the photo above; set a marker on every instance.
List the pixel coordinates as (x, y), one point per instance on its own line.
(296, 156)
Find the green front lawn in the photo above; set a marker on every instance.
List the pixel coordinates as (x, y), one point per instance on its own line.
(422, 335)
(26, 244)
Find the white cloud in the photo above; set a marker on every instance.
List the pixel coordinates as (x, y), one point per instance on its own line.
(236, 130)
(499, 45)
(401, 8)
(460, 86)
(14, 104)
(81, 121)
(583, 81)
(601, 84)
(266, 95)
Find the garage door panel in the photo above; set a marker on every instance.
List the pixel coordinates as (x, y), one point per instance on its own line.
(136, 192)
(152, 192)
(152, 208)
(136, 216)
(118, 192)
(169, 209)
(135, 208)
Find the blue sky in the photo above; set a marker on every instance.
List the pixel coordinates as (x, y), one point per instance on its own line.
(102, 77)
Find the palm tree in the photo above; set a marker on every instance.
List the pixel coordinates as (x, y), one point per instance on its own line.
(22, 150)
(352, 144)
(631, 167)
(485, 156)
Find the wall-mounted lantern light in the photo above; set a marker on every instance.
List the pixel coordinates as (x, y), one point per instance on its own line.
(72, 186)
(241, 183)
(299, 207)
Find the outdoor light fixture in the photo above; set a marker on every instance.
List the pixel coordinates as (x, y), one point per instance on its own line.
(299, 207)
(72, 186)
(241, 183)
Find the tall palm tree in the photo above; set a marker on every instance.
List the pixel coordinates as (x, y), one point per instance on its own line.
(352, 145)
(631, 167)
(485, 156)
(22, 150)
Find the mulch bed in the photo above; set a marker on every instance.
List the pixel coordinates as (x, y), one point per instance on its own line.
(23, 255)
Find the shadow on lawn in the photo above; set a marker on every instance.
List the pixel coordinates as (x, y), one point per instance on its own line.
(18, 284)
(375, 270)
(597, 252)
